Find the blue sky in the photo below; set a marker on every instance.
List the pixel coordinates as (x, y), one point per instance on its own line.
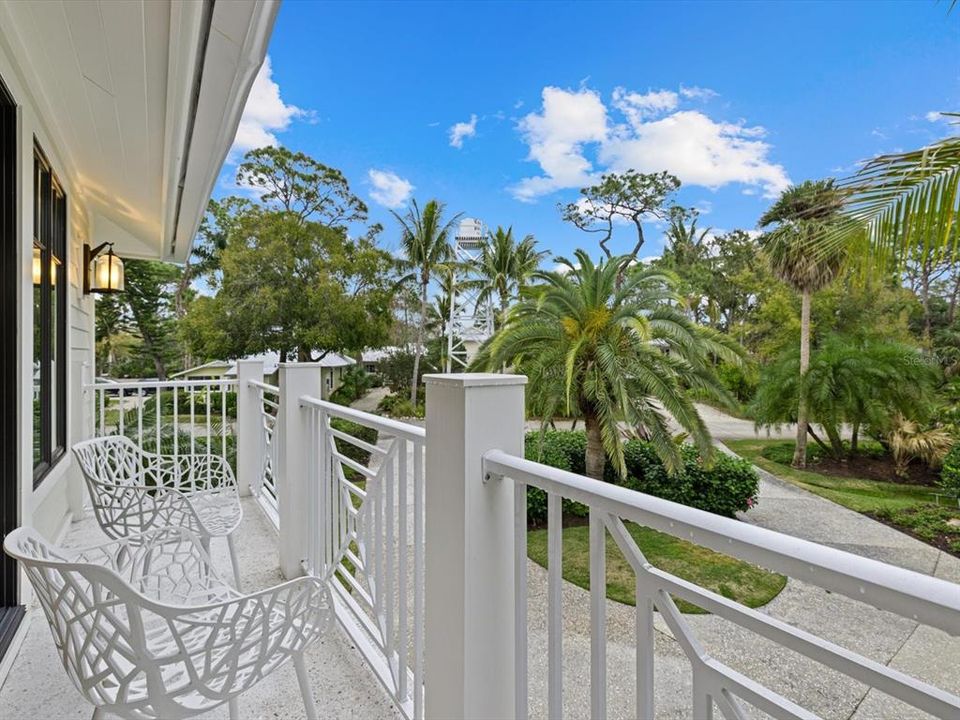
(502, 110)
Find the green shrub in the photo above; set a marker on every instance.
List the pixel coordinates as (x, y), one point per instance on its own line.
(353, 386)
(398, 405)
(950, 472)
(728, 486)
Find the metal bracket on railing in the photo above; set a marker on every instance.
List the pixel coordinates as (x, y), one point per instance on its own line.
(487, 475)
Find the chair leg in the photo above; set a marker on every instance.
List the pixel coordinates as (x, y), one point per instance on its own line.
(234, 561)
(234, 705)
(305, 690)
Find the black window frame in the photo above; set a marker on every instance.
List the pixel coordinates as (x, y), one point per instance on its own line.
(50, 238)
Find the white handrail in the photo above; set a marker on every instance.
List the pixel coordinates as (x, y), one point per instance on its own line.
(122, 384)
(394, 427)
(911, 594)
(926, 599)
(266, 387)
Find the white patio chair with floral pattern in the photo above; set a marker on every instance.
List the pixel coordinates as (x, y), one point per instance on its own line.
(146, 629)
(134, 491)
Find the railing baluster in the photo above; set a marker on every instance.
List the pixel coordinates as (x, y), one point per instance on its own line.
(103, 415)
(402, 507)
(644, 639)
(390, 545)
(223, 419)
(598, 617)
(418, 579)
(555, 606)
(208, 398)
(193, 422)
(176, 424)
(521, 704)
(158, 400)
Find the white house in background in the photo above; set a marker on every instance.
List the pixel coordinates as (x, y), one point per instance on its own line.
(371, 359)
(208, 371)
(115, 119)
(332, 368)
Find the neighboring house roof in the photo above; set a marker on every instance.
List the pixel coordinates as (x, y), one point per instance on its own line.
(271, 362)
(143, 100)
(373, 356)
(334, 360)
(221, 364)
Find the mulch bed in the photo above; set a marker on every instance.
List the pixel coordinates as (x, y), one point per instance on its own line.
(875, 468)
(941, 542)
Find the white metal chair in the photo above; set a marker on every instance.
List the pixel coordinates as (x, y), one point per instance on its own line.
(134, 491)
(146, 629)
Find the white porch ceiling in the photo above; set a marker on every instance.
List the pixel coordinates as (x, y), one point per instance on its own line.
(143, 97)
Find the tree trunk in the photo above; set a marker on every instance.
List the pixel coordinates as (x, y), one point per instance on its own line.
(954, 298)
(418, 350)
(925, 270)
(800, 453)
(854, 437)
(836, 442)
(596, 459)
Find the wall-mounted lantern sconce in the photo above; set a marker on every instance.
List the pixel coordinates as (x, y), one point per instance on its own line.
(106, 275)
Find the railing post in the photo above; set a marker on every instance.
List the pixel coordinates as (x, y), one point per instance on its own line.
(293, 453)
(470, 643)
(249, 424)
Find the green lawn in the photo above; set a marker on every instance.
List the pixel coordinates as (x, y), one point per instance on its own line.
(867, 496)
(727, 576)
(911, 508)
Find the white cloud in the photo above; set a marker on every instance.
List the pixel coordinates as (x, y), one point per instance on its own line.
(657, 135)
(265, 113)
(461, 131)
(935, 116)
(698, 93)
(637, 106)
(556, 136)
(389, 189)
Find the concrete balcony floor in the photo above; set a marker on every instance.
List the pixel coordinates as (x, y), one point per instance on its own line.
(37, 687)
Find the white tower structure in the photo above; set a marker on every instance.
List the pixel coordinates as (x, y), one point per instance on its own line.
(470, 322)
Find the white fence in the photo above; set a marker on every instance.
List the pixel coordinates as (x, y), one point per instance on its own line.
(174, 417)
(366, 527)
(264, 479)
(922, 598)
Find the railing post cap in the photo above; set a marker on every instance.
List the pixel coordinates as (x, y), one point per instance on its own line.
(473, 379)
(248, 361)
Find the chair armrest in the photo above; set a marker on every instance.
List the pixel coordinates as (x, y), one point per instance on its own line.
(258, 632)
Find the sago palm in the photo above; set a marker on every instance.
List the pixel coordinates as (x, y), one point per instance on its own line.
(505, 266)
(610, 355)
(795, 251)
(425, 244)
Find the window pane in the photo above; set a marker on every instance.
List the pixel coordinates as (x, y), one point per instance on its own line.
(55, 351)
(37, 359)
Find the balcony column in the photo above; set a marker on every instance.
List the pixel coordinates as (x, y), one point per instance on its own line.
(294, 443)
(470, 651)
(250, 445)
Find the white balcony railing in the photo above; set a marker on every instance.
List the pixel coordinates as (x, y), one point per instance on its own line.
(928, 600)
(366, 526)
(427, 544)
(173, 417)
(263, 484)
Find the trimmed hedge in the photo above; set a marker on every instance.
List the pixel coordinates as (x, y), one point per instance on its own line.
(729, 486)
(950, 472)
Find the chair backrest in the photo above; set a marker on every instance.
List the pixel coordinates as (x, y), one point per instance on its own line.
(114, 469)
(94, 616)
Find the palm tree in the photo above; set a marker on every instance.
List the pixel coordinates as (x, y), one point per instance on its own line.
(610, 354)
(900, 200)
(425, 245)
(797, 255)
(505, 266)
